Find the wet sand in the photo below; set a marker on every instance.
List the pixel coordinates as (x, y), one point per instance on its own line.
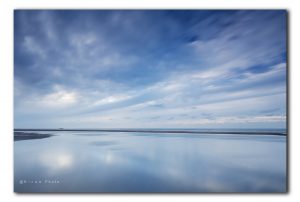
(29, 136)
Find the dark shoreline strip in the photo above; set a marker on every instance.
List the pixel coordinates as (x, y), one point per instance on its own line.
(160, 131)
(18, 136)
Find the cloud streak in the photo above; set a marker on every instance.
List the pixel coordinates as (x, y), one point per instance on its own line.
(111, 69)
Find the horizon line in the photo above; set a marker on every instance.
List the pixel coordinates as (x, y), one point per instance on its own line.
(204, 131)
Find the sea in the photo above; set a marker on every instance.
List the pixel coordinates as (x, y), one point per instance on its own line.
(158, 161)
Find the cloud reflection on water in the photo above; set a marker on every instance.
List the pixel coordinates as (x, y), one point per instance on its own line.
(154, 164)
(57, 160)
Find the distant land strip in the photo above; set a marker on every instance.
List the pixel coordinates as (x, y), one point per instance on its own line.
(162, 131)
(28, 136)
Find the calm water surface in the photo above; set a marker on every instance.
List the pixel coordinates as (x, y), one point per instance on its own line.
(148, 162)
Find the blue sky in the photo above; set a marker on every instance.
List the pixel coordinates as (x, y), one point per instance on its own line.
(150, 69)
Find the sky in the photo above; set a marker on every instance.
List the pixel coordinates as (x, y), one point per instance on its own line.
(150, 69)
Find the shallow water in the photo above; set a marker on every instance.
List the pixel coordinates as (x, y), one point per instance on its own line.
(147, 162)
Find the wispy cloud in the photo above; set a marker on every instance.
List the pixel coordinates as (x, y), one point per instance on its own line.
(150, 68)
